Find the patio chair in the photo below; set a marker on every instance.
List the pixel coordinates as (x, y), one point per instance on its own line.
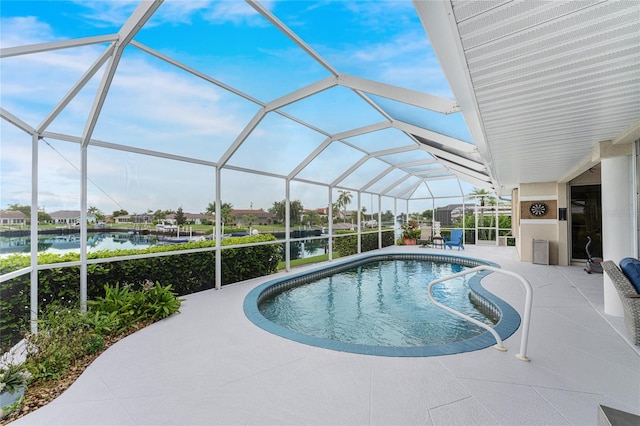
(628, 293)
(426, 236)
(455, 240)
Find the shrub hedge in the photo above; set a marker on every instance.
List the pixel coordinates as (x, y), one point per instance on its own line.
(186, 273)
(348, 245)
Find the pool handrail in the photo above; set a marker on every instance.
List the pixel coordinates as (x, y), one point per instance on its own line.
(527, 307)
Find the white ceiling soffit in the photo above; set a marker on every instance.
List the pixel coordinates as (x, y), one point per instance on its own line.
(539, 83)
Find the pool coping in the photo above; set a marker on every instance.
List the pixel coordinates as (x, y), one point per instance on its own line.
(508, 323)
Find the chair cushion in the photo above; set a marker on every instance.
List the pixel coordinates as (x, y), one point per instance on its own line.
(631, 269)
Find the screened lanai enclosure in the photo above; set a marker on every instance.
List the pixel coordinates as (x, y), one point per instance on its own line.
(166, 105)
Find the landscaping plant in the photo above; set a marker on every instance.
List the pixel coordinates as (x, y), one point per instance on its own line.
(68, 339)
(13, 377)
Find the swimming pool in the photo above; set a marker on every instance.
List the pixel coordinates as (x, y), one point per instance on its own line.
(378, 304)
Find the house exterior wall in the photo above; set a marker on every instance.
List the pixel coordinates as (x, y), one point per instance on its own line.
(538, 228)
(562, 235)
(557, 196)
(12, 218)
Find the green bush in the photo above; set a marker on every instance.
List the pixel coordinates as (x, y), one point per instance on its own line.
(104, 323)
(348, 245)
(239, 264)
(62, 338)
(186, 273)
(65, 335)
(121, 307)
(128, 307)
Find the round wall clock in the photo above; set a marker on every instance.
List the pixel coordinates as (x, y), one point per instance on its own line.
(538, 209)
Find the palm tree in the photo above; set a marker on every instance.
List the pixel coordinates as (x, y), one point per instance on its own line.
(95, 212)
(225, 211)
(484, 196)
(344, 199)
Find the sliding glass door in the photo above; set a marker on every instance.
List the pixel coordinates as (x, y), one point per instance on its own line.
(586, 220)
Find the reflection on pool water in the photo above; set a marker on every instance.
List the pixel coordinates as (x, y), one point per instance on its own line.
(380, 306)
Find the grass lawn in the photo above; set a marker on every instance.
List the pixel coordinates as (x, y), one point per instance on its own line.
(307, 260)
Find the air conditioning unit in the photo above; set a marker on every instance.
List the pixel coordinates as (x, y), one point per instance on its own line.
(541, 252)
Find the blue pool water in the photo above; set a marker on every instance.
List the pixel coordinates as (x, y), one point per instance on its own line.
(382, 303)
(380, 307)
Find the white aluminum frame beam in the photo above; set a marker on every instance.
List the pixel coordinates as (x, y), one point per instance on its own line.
(400, 94)
(481, 183)
(33, 232)
(138, 18)
(337, 137)
(244, 134)
(435, 178)
(394, 184)
(432, 197)
(396, 150)
(431, 174)
(7, 116)
(445, 140)
(370, 128)
(195, 72)
(417, 163)
(439, 154)
(93, 69)
(302, 93)
(83, 227)
(7, 52)
(220, 84)
(470, 172)
(254, 172)
(410, 190)
(310, 157)
(291, 35)
(438, 20)
(377, 178)
(309, 181)
(218, 222)
(350, 170)
(126, 148)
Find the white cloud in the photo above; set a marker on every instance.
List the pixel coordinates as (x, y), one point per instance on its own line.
(24, 30)
(236, 12)
(401, 45)
(107, 13)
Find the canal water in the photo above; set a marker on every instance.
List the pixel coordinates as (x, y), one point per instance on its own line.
(70, 243)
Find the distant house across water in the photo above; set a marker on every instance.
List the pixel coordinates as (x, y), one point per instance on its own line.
(192, 218)
(241, 217)
(12, 217)
(68, 217)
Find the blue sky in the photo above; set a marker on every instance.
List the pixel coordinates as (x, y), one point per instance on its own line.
(155, 106)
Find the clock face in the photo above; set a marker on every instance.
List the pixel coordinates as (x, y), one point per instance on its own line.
(538, 209)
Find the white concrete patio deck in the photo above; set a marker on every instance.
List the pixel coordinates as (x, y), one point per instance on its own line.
(210, 366)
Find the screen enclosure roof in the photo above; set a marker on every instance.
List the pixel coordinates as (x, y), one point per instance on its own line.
(344, 94)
